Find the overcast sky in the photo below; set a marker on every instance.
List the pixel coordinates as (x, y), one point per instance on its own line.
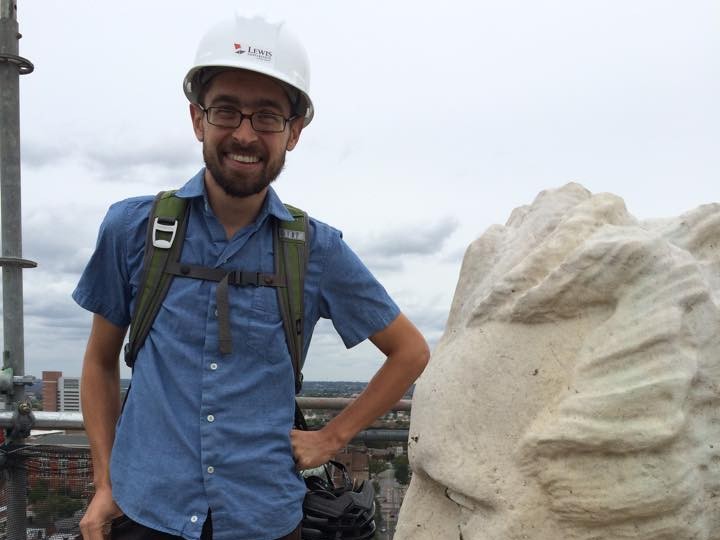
(433, 121)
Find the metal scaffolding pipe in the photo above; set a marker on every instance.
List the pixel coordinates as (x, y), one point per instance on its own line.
(381, 435)
(47, 420)
(74, 420)
(310, 403)
(11, 67)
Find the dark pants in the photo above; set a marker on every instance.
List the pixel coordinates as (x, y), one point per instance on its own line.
(124, 528)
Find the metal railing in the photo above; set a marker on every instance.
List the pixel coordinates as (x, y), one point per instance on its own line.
(74, 420)
(59, 477)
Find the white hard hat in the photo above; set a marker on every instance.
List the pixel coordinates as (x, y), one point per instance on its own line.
(256, 45)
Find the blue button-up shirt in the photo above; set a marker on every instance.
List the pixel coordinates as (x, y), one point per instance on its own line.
(201, 430)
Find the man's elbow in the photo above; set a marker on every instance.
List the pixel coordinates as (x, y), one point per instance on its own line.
(419, 356)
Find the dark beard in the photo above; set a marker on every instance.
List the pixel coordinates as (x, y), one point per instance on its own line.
(242, 189)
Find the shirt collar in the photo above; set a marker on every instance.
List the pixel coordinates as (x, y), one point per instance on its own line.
(195, 187)
(275, 206)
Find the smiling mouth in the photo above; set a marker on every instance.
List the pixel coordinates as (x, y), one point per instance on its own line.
(241, 158)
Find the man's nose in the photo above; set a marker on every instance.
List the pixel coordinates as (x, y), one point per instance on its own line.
(245, 131)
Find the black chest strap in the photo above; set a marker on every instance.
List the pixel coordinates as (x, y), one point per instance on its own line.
(224, 278)
(165, 237)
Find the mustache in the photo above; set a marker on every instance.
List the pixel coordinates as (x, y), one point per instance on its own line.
(249, 149)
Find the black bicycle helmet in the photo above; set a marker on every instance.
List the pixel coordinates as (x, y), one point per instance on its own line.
(338, 512)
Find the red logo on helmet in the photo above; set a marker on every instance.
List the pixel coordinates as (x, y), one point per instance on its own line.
(238, 48)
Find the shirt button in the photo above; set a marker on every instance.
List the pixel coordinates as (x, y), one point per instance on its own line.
(210, 469)
(213, 366)
(210, 418)
(193, 519)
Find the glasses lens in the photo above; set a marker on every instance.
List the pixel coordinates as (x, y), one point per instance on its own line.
(268, 122)
(220, 116)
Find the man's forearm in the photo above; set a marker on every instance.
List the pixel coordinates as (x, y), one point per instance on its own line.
(407, 355)
(383, 391)
(100, 391)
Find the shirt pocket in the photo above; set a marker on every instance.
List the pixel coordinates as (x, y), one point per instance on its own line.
(265, 332)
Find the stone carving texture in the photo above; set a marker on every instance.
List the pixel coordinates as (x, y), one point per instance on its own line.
(575, 393)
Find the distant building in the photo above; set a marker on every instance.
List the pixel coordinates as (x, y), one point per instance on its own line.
(398, 450)
(58, 469)
(69, 393)
(50, 390)
(61, 393)
(356, 461)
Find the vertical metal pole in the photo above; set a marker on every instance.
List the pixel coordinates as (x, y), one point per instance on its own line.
(11, 66)
(10, 188)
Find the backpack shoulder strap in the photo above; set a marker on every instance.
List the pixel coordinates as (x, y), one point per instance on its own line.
(165, 235)
(292, 249)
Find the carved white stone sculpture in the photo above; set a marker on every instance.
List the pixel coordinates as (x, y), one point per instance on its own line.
(575, 393)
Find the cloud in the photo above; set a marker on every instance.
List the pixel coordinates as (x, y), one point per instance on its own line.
(328, 359)
(455, 256)
(177, 154)
(56, 329)
(423, 239)
(118, 160)
(158, 163)
(38, 154)
(50, 312)
(59, 239)
(386, 251)
(428, 314)
(52, 307)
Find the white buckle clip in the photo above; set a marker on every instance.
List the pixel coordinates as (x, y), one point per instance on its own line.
(161, 227)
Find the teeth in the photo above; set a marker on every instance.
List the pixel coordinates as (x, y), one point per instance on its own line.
(244, 159)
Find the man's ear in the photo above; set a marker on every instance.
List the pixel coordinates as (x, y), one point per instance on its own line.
(295, 127)
(196, 115)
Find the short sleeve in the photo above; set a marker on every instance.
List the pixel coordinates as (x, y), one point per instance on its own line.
(351, 297)
(104, 285)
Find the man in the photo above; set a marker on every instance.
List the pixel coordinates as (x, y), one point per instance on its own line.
(205, 446)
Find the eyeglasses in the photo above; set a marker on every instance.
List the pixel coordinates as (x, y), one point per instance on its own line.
(263, 122)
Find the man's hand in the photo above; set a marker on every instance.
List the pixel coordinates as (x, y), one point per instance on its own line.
(312, 448)
(95, 525)
(407, 354)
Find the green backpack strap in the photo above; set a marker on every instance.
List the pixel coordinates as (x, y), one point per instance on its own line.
(165, 235)
(292, 250)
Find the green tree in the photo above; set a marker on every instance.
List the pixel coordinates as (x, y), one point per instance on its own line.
(402, 470)
(377, 466)
(39, 492)
(53, 506)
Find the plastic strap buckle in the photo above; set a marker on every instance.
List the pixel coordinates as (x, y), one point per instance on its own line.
(166, 225)
(126, 355)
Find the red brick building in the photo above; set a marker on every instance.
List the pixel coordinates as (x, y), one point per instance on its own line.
(50, 390)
